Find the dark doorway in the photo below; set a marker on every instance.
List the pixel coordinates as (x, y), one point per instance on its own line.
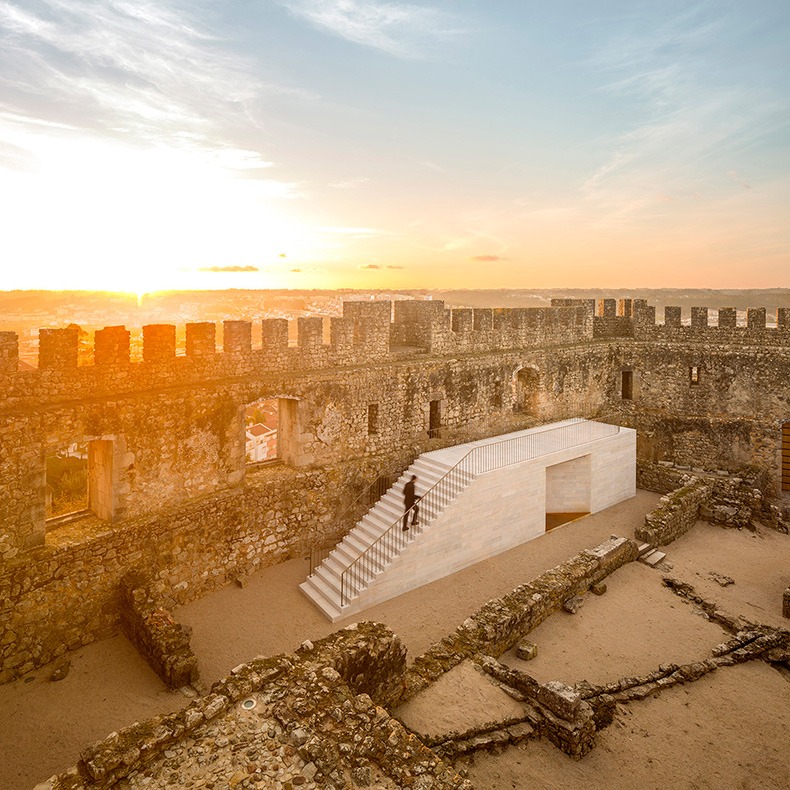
(434, 419)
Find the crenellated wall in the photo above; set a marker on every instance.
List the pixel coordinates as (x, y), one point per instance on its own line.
(170, 486)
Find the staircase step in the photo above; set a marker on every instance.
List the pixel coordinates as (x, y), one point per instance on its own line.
(644, 548)
(653, 558)
(328, 593)
(329, 608)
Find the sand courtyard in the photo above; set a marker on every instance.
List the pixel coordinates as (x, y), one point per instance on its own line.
(728, 729)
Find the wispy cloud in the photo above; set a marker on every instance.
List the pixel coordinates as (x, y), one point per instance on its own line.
(487, 258)
(403, 29)
(352, 183)
(353, 231)
(143, 72)
(690, 120)
(370, 266)
(229, 269)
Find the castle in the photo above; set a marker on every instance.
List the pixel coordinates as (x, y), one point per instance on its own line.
(170, 493)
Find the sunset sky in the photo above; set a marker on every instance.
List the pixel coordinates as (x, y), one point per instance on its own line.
(362, 143)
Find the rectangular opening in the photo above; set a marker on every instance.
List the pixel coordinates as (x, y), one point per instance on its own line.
(694, 375)
(567, 491)
(786, 457)
(434, 419)
(67, 481)
(627, 385)
(373, 419)
(261, 426)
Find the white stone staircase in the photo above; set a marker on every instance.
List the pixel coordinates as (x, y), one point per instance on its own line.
(323, 586)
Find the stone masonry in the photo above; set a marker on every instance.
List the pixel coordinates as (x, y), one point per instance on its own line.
(171, 495)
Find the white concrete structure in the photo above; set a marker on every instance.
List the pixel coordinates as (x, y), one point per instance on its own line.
(479, 499)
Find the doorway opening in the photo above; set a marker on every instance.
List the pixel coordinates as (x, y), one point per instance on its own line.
(434, 419)
(786, 457)
(567, 491)
(527, 390)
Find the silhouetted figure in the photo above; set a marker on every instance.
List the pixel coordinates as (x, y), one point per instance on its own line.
(410, 500)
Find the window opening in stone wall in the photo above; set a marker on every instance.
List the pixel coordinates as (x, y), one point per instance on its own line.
(373, 419)
(434, 419)
(261, 425)
(786, 457)
(694, 374)
(67, 481)
(627, 385)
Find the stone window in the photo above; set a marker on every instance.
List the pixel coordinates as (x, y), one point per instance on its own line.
(79, 480)
(373, 419)
(261, 430)
(627, 385)
(67, 481)
(694, 375)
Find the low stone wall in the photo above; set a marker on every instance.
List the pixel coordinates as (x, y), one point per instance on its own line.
(737, 500)
(325, 716)
(555, 710)
(502, 622)
(162, 642)
(676, 514)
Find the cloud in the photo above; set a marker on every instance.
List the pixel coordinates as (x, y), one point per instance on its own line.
(688, 120)
(351, 183)
(229, 269)
(395, 267)
(143, 72)
(296, 270)
(488, 258)
(370, 266)
(406, 30)
(353, 231)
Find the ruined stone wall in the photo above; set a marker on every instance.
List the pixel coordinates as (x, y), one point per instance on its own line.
(184, 505)
(176, 425)
(676, 514)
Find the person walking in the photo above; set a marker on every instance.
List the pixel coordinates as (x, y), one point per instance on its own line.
(410, 500)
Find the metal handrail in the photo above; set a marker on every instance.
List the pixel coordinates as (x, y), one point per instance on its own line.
(478, 460)
(371, 494)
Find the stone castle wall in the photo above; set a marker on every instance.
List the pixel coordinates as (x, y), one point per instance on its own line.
(167, 434)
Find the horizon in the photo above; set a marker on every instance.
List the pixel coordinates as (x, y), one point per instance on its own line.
(374, 144)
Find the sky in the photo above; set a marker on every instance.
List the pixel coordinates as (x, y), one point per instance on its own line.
(369, 144)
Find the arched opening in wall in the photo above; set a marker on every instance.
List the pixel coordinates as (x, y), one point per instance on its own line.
(527, 389)
(786, 457)
(261, 430)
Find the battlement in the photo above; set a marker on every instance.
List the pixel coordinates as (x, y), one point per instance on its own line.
(635, 319)
(366, 333)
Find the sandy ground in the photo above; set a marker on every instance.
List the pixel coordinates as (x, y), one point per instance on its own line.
(43, 725)
(727, 731)
(459, 700)
(270, 615)
(637, 625)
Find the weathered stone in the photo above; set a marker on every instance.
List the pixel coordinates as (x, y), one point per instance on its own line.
(573, 605)
(598, 589)
(526, 650)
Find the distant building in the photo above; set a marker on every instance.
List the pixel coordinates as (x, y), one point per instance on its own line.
(262, 441)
